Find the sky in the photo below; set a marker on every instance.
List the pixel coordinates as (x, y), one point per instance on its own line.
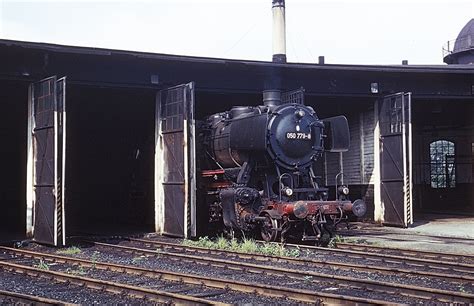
(344, 31)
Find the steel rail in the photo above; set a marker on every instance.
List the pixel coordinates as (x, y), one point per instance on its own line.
(383, 287)
(406, 252)
(31, 299)
(261, 289)
(309, 261)
(431, 263)
(112, 287)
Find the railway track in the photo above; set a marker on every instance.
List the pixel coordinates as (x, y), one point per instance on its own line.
(16, 298)
(139, 293)
(443, 274)
(415, 260)
(384, 288)
(222, 285)
(438, 256)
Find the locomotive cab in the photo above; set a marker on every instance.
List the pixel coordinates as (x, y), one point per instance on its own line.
(260, 177)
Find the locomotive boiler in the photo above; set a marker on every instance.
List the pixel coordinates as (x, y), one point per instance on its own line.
(259, 177)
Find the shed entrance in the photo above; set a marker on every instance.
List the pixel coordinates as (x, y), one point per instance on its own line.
(108, 174)
(444, 156)
(175, 165)
(13, 139)
(109, 167)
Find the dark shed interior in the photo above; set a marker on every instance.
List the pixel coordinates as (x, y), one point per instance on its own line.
(13, 138)
(443, 143)
(110, 158)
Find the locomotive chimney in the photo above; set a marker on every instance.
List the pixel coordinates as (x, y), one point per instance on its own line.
(271, 97)
(279, 39)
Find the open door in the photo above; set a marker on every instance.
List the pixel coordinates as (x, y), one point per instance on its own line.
(47, 140)
(395, 159)
(175, 166)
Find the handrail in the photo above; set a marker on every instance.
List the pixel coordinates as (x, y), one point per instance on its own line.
(280, 182)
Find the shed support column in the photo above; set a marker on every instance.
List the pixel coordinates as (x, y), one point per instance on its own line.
(378, 209)
(159, 162)
(29, 168)
(362, 148)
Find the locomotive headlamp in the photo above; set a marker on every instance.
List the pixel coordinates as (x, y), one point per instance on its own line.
(288, 191)
(300, 209)
(300, 113)
(345, 190)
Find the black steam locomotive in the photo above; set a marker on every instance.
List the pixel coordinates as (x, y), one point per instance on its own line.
(260, 177)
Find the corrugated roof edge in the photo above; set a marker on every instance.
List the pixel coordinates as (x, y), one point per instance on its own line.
(141, 54)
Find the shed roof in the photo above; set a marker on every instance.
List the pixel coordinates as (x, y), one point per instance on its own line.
(186, 58)
(31, 61)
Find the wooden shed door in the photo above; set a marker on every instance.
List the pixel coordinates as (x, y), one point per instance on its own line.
(47, 104)
(175, 165)
(395, 159)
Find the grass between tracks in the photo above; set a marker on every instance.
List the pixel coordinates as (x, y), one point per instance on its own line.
(70, 251)
(245, 245)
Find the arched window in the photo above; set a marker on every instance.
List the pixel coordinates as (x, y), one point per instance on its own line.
(442, 160)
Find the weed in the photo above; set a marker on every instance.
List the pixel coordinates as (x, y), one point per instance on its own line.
(203, 242)
(136, 260)
(269, 249)
(308, 278)
(234, 245)
(222, 243)
(248, 246)
(79, 271)
(293, 252)
(365, 241)
(335, 240)
(187, 242)
(279, 249)
(94, 258)
(208, 243)
(359, 241)
(42, 265)
(70, 251)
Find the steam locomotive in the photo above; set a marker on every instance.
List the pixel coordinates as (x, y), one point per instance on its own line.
(259, 177)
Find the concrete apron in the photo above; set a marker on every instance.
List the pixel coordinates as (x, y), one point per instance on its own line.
(438, 233)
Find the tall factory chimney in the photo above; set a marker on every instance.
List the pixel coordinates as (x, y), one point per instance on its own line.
(279, 35)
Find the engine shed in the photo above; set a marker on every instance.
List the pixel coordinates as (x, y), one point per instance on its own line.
(99, 141)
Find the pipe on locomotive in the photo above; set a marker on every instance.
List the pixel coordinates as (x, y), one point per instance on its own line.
(279, 35)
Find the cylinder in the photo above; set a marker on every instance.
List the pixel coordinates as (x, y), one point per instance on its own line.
(279, 35)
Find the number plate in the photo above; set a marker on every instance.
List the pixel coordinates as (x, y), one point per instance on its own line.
(298, 135)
